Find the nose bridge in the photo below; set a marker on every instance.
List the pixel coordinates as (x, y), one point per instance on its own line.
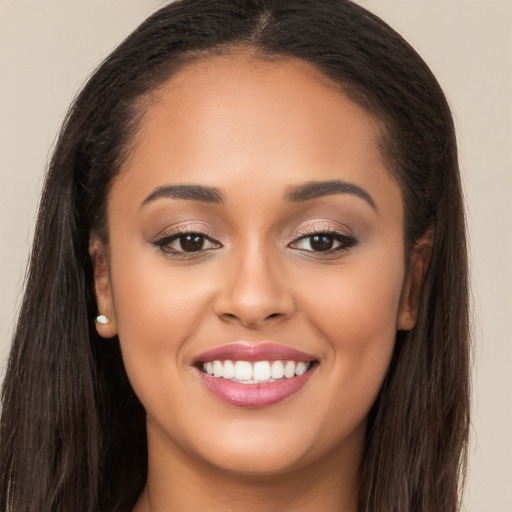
(256, 289)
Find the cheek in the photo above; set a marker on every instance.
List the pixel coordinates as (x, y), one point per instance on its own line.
(157, 311)
(152, 296)
(360, 311)
(355, 311)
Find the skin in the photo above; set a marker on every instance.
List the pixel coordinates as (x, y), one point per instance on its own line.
(253, 128)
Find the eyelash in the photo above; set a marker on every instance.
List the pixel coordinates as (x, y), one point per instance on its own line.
(346, 241)
(164, 242)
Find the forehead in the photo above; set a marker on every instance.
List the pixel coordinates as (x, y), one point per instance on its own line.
(241, 116)
(264, 94)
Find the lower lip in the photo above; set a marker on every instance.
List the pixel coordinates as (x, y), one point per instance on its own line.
(254, 395)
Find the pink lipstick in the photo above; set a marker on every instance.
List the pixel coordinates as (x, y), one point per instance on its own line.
(247, 375)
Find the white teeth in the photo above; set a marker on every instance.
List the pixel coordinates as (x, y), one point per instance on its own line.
(289, 369)
(277, 370)
(301, 368)
(256, 372)
(228, 371)
(261, 371)
(243, 370)
(217, 369)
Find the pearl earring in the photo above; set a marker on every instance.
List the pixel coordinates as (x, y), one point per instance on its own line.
(102, 320)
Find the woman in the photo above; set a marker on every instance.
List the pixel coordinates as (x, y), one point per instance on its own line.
(248, 285)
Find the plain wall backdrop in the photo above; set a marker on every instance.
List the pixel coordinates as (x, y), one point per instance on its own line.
(49, 47)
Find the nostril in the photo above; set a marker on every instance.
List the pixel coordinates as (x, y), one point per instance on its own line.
(250, 320)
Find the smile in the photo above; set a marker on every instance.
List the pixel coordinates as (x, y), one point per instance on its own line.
(248, 375)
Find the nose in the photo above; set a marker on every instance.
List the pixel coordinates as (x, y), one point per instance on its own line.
(254, 292)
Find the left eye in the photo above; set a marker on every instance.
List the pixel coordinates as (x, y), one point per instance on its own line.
(324, 242)
(186, 242)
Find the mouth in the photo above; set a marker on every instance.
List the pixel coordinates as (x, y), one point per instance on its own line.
(247, 375)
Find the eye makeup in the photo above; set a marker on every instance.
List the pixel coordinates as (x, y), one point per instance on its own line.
(186, 242)
(191, 242)
(325, 241)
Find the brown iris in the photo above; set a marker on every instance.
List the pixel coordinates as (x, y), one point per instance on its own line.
(192, 242)
(321, 242)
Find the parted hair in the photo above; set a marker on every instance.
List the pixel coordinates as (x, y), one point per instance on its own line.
(72, 433)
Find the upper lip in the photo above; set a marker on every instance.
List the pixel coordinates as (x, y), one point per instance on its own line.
(245, 351)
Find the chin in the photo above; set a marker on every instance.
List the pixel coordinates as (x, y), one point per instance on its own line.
(266, 447)
(259, 461)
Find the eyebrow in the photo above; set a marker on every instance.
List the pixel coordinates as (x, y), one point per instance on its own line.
(191, 192)
(316, 189)
(297, 194)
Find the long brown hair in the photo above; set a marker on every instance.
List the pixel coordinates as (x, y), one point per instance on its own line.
(72, 434)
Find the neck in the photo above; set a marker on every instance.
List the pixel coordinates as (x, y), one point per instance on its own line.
(178, 481)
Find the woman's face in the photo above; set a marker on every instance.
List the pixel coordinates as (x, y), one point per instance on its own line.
(254, 222)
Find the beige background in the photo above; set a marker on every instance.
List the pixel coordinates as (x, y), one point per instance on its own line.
(48, 48)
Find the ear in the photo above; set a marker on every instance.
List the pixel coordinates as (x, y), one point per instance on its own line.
(418, 265)
(102, 287)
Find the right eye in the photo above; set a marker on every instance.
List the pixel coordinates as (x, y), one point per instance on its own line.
(183, 243)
